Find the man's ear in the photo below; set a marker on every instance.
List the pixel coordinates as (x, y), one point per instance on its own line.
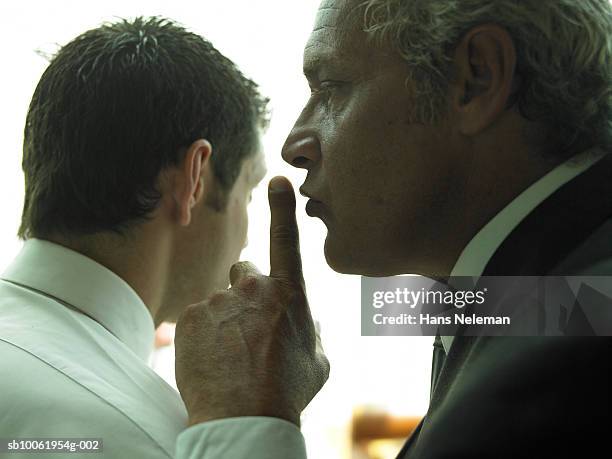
(485, 62)
(190, 186)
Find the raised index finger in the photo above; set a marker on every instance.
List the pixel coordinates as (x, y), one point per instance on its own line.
(285, 258)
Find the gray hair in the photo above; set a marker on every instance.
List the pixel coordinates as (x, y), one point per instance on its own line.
(564, 58)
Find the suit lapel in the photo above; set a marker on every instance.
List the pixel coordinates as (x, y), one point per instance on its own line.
(541, 241)
(559, 224)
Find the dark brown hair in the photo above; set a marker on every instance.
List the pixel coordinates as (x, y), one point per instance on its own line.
(116, 106)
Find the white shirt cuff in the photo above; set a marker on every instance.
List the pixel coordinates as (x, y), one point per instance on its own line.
(242, 438)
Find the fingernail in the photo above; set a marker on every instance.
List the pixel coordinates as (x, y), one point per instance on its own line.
(279, 185)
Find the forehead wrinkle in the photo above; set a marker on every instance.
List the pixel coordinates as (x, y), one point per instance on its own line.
(318, 52)
(327, 19)
(321, 36)
(333, 11)
(322, 40)
(334, 4)
(339, 20)
(333, 39)
(323, 27)
(332, 35)
(327, 4)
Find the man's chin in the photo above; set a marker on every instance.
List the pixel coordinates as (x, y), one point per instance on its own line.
(346, 256)
(348, 260)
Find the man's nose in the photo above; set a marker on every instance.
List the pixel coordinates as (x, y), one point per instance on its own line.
(301, 149)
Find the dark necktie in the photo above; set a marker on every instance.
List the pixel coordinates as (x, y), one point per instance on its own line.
(437, 362)
(436, 366)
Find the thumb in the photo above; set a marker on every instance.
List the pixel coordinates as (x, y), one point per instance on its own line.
(285, 258)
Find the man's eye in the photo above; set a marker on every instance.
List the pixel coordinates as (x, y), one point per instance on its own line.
(328, 84)
(324, 86)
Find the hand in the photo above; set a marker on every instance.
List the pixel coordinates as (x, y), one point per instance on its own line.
(252, 350)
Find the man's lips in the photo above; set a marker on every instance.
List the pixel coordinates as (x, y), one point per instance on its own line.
(306, 194)
(314, 208)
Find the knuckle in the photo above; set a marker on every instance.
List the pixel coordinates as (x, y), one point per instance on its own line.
(239, 266)
(248, 283)
(250, 266)
(243, 270)
(188, 321)
(218, 298)
(189, 312)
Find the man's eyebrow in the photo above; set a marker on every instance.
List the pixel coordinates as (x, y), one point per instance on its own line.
(317, 61)
(311, 67)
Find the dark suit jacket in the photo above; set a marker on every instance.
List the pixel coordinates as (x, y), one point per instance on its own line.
(537, 397)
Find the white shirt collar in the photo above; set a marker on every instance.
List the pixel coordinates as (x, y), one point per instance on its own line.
(480, 249)
(87, 286)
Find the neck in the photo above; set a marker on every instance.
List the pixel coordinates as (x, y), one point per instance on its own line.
(140, 258)
(489, 183)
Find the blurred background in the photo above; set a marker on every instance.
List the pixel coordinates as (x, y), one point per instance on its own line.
(379, 386)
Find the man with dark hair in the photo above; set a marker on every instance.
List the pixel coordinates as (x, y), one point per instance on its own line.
(441, 138)
(142, 147)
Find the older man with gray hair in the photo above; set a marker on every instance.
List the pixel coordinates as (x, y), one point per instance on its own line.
(441, 138)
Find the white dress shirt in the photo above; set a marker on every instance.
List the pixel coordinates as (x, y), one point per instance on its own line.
(74, 344)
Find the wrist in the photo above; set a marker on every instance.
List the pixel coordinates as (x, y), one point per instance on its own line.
(198, 417)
